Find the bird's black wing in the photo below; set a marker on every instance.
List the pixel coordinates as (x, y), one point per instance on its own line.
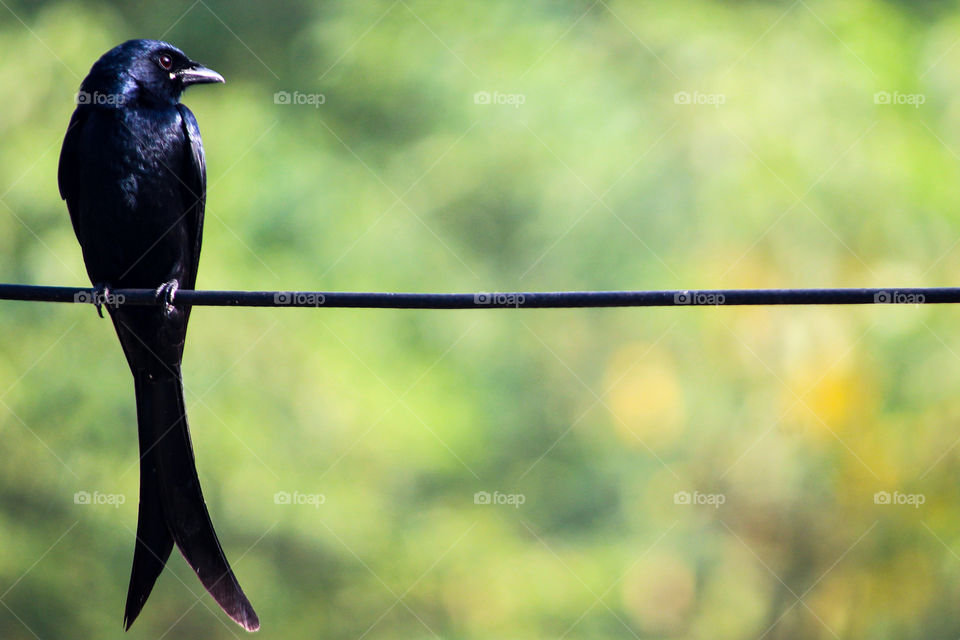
(194, 187)
(68, 173)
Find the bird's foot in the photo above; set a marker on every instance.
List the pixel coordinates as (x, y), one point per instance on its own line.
(166, 292)
(101, 295)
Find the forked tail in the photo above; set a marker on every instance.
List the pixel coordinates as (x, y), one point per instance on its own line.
(172, 509)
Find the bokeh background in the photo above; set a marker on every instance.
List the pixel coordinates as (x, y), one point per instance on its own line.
(700, 472)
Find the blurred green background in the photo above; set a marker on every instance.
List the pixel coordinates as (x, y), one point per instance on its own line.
(672, 473)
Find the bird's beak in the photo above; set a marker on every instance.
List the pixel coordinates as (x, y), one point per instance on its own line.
(196, 73)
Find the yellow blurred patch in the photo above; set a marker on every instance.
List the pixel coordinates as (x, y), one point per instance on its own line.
(645, 395)
(825, 395)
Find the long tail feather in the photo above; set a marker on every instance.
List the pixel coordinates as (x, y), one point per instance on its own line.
(154, 540)
(172, 508)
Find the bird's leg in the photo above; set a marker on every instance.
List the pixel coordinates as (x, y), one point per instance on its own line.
(101, 294)
(166, 293)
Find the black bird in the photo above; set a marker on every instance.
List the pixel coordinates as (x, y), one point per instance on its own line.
(133, 174)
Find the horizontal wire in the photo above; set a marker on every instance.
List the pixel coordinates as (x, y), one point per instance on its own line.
(491, 300)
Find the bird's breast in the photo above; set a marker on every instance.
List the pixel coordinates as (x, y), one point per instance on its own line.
(131, 201)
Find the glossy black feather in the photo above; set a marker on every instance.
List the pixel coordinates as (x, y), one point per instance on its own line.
(195, 186)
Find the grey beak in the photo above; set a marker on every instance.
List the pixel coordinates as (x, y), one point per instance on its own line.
(198, 74)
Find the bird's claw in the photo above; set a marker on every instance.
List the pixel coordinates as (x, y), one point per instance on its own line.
(101, 294)
(166, 293)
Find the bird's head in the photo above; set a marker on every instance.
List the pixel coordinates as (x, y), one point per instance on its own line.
(147, 72)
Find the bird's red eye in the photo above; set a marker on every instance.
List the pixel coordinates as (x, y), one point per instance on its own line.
(165, 61)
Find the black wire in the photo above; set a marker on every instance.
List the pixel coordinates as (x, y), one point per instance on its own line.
(493, 300)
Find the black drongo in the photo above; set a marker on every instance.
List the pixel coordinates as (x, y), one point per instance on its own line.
(133, 174)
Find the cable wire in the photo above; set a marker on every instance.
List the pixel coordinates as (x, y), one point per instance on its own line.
(491, 300)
